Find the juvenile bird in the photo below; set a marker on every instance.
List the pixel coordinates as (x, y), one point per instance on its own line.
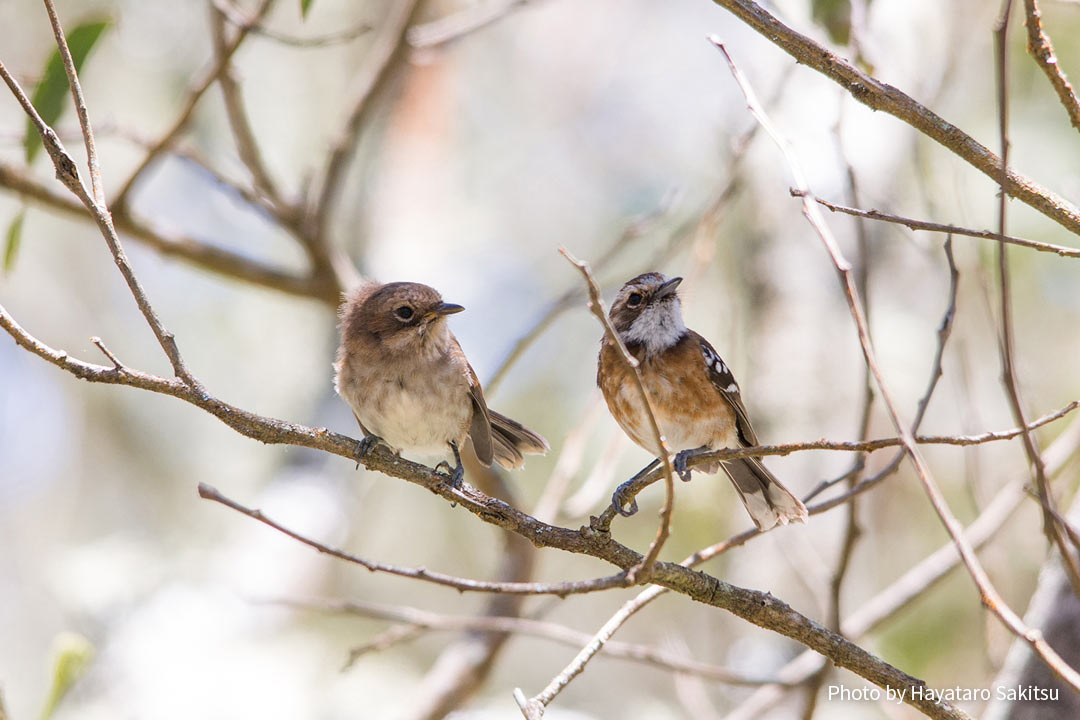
(409, 384)
(696, 400)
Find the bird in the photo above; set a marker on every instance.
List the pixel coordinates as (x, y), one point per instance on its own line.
(696, 401)
(410, 386)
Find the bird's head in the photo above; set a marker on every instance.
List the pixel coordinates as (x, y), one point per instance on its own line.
(647, 312)
(403, 316)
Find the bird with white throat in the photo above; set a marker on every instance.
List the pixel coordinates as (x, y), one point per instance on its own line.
(695, 399)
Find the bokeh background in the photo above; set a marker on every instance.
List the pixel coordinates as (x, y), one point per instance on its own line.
(562, 124)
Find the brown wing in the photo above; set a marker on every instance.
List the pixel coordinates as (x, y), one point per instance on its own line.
(725, 384)
(480, 427)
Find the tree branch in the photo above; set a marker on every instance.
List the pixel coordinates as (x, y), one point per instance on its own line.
(881, 96)
(988, 594)
(1042, 50)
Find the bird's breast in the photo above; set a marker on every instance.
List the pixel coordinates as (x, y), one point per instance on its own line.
(417, 405)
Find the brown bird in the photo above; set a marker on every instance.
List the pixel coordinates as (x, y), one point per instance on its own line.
(409, 384)
(696, 400)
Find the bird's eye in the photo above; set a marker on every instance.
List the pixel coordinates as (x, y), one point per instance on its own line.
(634, 300)
(404, 312)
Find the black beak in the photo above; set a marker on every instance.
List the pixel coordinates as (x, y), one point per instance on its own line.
(445, 309)
(667, 288)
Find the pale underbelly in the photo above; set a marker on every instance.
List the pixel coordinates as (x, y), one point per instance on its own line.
(415, 423)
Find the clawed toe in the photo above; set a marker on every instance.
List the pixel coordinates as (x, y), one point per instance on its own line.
(619, 500)
(680, 463)
(452, 475)
(366, 444)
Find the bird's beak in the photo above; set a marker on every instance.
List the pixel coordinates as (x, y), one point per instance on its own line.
(445, 309)
(667, 288)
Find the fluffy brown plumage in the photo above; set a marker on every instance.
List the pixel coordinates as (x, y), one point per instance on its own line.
(696, 400)
(409, 384)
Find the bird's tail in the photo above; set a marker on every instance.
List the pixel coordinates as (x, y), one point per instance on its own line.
(766, 499)
(511, 440)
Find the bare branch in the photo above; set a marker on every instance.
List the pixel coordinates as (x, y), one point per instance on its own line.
(881, 96)
(942, 228)
(1042, 50)
(80, 104)
(461, 584)
(425, 620)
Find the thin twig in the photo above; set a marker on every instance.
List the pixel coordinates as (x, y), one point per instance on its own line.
(943, 228)
(1042, 50)
(596, 305)
(97, 190)
(561, 589)
(426, 620)
(587, 653)
(988, 594)
(394, 635)
(1006, 345)
(196, 89)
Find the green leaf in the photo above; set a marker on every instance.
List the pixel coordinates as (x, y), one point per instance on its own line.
(12, 241)
(305, 5)
(52, 89)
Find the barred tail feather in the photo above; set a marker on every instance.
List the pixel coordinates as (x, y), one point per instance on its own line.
(767, 501)
(511, 441)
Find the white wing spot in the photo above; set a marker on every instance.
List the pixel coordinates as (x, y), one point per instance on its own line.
(732, 388)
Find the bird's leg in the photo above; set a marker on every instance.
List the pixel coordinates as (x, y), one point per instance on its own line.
(625, 493)
(454, 474)
(365, 446)
(680, 461)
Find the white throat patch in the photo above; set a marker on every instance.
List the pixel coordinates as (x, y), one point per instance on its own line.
(658, 327)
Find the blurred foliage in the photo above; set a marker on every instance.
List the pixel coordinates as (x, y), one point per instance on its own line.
(51, 92)
(72, 654)
(835, 17)
(12, 240)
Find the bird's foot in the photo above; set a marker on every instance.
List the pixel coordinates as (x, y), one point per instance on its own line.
(625, 494)
(454, 475)
(680, 462)
(366, 444)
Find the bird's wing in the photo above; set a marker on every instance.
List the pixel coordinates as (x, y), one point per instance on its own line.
(725, 384)
(480, 427)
